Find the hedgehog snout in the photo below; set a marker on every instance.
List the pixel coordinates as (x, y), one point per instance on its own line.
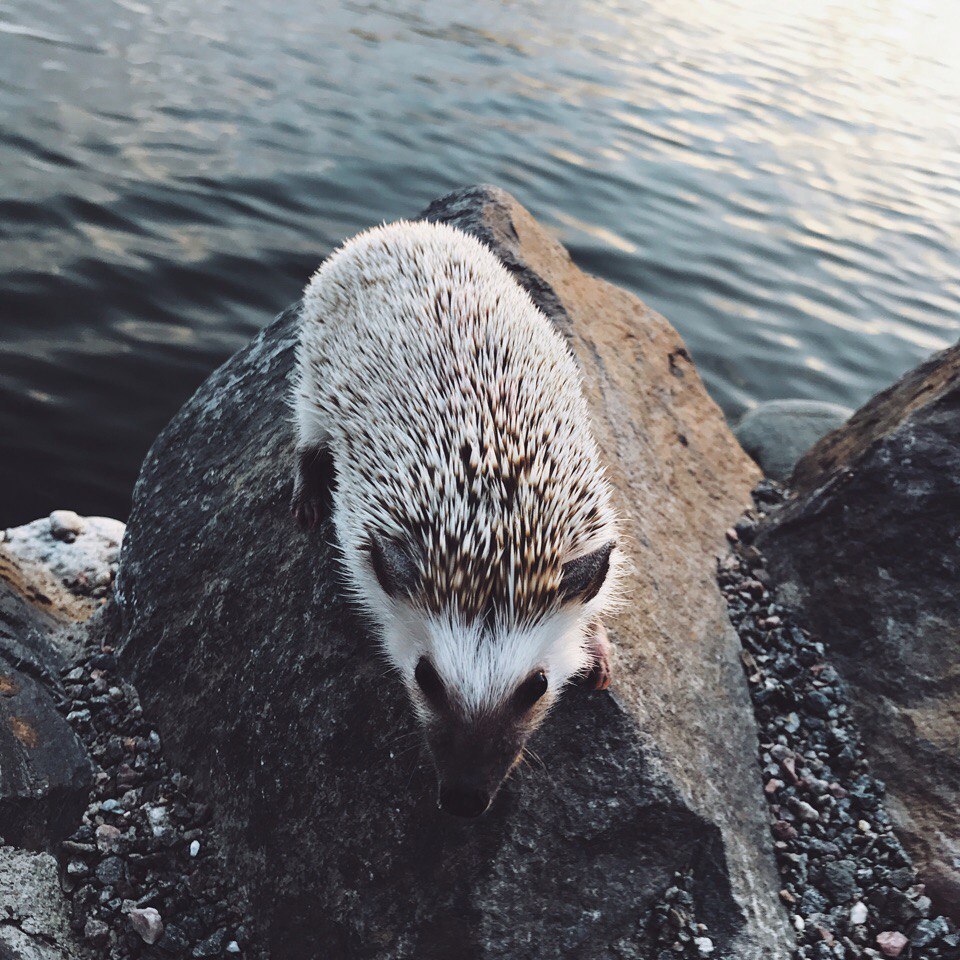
(474, 750)
(463, 800)
(466, 788)
(472, 760)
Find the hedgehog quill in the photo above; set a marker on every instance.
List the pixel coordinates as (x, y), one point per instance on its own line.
(440, 418)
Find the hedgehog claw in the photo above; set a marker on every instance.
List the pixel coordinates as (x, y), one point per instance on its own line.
(306, 512)
(599, 675)
(312, 487)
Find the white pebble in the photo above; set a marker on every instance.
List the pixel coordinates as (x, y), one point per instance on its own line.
(194, 847)
(704, 945)
(863, 826)
(858, 913)
(233, 947)
(65, 522)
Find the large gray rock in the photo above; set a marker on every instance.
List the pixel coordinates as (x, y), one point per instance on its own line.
(869, 551)
(778, 433)
(268, 688)
(34, 917)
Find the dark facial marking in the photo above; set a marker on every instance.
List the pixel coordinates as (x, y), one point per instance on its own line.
(582, 578)
(530, 691)
(430, 683)
(393, 566)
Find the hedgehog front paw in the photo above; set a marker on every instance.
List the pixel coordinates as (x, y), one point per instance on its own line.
(306, 510)
(601, 650)
(312, 487)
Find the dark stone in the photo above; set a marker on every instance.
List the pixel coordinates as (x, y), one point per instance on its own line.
(111, 871)
(778, 432)
(868, 551)
(267, 688)
(212, 946)
(44, 771)
(840, 881)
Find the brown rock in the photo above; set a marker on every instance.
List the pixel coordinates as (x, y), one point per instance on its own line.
(869, 552)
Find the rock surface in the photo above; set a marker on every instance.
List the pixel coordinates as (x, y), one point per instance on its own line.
(44, 771)
(34, 919)
(869, 552)
(779, 432)
(284, 713)
(73, 558)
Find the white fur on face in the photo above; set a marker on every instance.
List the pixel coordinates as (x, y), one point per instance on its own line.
(484, 667)
(484, 664)
(457, 424)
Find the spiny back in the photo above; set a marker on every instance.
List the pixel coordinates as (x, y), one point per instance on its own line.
(457, 419)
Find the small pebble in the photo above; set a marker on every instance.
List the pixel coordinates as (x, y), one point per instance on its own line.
(108, 838)
(194, 847)
(858, 913)
(147, 923)
(66, 525)
(96, 932)
(891, 943)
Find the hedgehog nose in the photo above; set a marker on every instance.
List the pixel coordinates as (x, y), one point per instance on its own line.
(463, 801)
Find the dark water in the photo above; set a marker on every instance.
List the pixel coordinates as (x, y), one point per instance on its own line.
(782, 180)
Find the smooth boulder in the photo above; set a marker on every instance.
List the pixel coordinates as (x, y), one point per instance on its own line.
(778, 433)
(268, 688)
(869, 551)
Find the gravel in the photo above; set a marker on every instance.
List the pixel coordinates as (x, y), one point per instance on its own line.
(141, 871)
(849, 886)
(672, 931)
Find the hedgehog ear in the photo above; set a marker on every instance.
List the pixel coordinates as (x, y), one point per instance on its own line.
(583, 577)
(393, 566)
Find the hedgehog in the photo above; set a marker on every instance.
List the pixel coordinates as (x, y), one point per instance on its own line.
(441, 424)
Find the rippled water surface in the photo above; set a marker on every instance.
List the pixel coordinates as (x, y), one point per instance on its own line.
(782, 180)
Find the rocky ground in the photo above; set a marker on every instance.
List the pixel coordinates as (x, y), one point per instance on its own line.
(138, 876)
(140, 870)
(849, 886)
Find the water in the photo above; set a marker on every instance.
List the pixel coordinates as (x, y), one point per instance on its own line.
(781, 180)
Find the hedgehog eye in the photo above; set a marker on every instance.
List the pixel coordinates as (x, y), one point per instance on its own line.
(393, 566)
(429, 682)
(583, 577)
(531, 690)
